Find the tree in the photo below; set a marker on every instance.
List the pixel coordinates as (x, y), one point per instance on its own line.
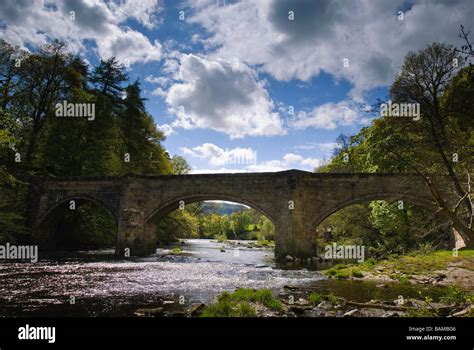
(267, 229)
(438, 147)
(12, 197)
(41, 84)
(108, 78)
(425, 77)
(141, 140)
(180, 165)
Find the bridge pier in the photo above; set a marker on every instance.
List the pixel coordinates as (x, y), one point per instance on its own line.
(134, 236)
(295, 235)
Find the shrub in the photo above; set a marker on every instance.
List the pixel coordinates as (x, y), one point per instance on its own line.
(332, 299)
(342, 274)
(237, 304)
(370, 262)
(221, 238)
(246, 310)
(315, 298)
(457, 296)
(357, 273)
(176, 250)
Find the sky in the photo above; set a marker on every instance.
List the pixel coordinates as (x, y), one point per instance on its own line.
(251, 85)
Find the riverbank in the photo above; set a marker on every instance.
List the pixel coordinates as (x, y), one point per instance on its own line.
(305, 302)
(432, 284)
(443, 268)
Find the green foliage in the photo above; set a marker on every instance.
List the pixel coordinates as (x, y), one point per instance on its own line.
(12, 207)
(331, 298)
(370, 262)
(402, 268)
(401, 278)
(230, 305)
(246, 310)
(423, 310)
(457, 296)
(344, 271)
(180, 165)
(315, 298)
(243, 224)
(53, 146)
(178, 224)
(342, 274)
(357, 274)
(402, 145)
(176, 251)
(224, 307)
(221, 238)
(267, 229)
(87, 227)
(263, 296)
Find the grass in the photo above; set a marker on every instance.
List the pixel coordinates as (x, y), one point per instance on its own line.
(262, 296)
(315, 298)
(221, 238)
(403, 267)
(266, 243)
(437, 260)
(457, 296)
(332, 299)
(424, 310)
(176, 250)
(401, 278)
(342, 271)
(239, 303)
(226, 307)
(453, 296)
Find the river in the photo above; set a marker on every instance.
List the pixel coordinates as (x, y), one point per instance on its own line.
(98, 284)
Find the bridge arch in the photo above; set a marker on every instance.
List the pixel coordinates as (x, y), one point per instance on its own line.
(419, 201)
(171, 205)
(79, 198)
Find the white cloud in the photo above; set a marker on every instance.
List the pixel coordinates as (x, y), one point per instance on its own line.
(77, 21)
(128, 46)
(218, 171)
(217, 156)
(162, 81)
(166, 129)
(324, 32)
(321, 146)
(267, 166)
(218, 95)
(292, 158)
(158, 91)
(330, 116)
(146, 12)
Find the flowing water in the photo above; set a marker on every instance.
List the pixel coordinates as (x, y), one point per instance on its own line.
(98, 284)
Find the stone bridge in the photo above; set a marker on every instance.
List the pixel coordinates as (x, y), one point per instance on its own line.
(295, 201)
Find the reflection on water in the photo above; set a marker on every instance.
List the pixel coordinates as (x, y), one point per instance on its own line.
(102, 285)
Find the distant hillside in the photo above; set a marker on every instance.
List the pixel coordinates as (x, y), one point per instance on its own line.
(222, 208)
